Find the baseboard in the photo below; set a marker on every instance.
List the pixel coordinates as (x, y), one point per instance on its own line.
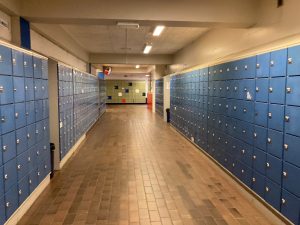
(267, 210)
(72, 151)
(20, 212)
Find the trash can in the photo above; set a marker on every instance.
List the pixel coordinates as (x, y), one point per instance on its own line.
(168, 115)
(52, 148)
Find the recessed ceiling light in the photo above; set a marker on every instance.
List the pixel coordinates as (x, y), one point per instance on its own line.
(147, 49)
(147, 75)
(137, 66)
(158, 30)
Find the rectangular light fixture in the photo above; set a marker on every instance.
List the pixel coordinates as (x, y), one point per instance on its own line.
(158, 30)
(128, 25)
(147, 49)
(137, 66)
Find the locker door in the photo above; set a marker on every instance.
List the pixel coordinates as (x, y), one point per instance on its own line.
(39, 131)
(2, 210)
(37, 67)
(277, 90)
(20, 115)
(290, 179)
(7, 118)
(10, 174)
(31, 135)
(45, 108)
(275, 143)
(246, 154)
(293, 91)
(261, 114)
(45, 69)
(38, 110)
(22, 165)
(1, 183)
(33, 180)
(258, 184)
(274, 169)
(293, 66)
(273, 194)
(30, 112)
(248, 67)
(45, 89)
(28, 65)
(29, 89)
(248, 89)
(262, 65)
(247, 111)
(290, 206)
(17, 62)
(278, 63)
(291, 149)
(5, 60)
(19, 89)
(8, 146)
(21, 140)
(38, 93)
(23, 189)
(260, 137)
(259, 161)
(6, 90)
(11, 201)
(276, 117)
(292, 120)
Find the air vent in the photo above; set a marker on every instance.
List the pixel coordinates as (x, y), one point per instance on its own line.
(279, 3)
(4, 23)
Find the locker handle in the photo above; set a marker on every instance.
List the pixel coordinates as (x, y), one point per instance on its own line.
(257, 65)
(228, 69)
(4, 148)
(287, 119)
(286, 146)
(270, 89)
(26, 88)
(19, 167)
(283, 201)
(38, 173)
(29, 159)
(25, 63)
(288, 90)
(244, 131)
(245, 110)
(27, 113)
(255, 135)
(236, 68)
(20, 192)
(272, 62)
(269, 140)
(270, 115)
(30, 181)
(1, 58)
(3, 119)
(15, 89)
(285, 174)
(268, 165)
(246, 67)
(18, 141)
(253, 179)
(243, 151)
(16, 115)
(290, 60)
(7, 204)
(243, 171)
(1, 89)
(5, 176)
(267, 189)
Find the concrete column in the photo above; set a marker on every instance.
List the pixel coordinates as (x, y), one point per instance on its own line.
(15, 30)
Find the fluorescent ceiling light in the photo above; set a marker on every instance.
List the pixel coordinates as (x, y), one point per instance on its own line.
(147, 49)
(128, 25)
(147, 75)
(137, 66)
(158, 29)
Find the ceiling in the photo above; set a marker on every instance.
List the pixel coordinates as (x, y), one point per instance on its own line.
(118, 40)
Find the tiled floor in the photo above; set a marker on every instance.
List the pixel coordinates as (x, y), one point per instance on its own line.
(134, 169)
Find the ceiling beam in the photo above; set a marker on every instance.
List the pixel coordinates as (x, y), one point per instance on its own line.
(233, 13)
(131, 59)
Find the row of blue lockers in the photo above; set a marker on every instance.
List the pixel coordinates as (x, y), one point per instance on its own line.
(278, 90)
(159, 96)
(244, 114)
(24, 110)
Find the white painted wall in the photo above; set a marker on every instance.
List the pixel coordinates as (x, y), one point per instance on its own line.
(167, 99)
(276, 27)
(45, 47)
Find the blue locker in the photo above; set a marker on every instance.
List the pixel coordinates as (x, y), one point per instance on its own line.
(274, 168)
(276, 117)
(292, 91)
(21, 140)
(32, 158)
(277, 90)
(37, 67)
(1, 182)
(248, 89)
(2, 210)
(11, 201)
(23, 189)
(38, 110)
(30, 112)
(293, 66)
(275, 143)
(246, 111)
(28, 65)
(45, 89)
(292, 118)
(31, 135)
(19, 89)
(6, 90)
(44, 68)
(38, 93)
(262, 90)
(7, 118)
(248, 67)
(245, 174)
(9, 146)
(259, 161)
(291, 149)
(17, 63)
(39, 127)
(290, 180)
(20, 115)
(22, 165)
(261, 114)
(45, 108)
(5, 60)
(278, 63)
(263, 65)
(260, 137)
(258, 183)
(33, 180)
(246, 154)
(29, 89)
(273, 194)
(290, 206)
(10, 174)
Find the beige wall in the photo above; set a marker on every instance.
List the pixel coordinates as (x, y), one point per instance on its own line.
(45, 47)
(5, 33)
(276, 27)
